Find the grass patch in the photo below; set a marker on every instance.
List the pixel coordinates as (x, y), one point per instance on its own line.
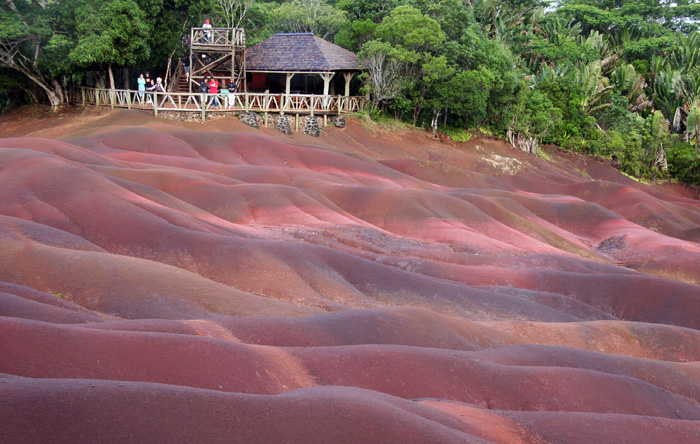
(457, 134)
(545, 155)
(486, 131)
(583, 173)
(636, 179)
(373, 122)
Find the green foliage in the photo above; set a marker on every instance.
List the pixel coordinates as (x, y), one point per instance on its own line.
(684, 162)
(113, 33)
(352, 35)
(536, 115)
(317, 16)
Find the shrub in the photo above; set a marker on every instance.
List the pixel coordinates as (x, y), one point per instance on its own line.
(683, 162)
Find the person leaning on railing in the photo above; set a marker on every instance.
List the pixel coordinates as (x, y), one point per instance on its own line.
(214, 91)
(204, 90)
(206, 34)
(141, 82)
(229, 92)
(158, 87)
(148, 86)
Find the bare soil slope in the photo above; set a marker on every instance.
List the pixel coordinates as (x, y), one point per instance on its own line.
(187, 282)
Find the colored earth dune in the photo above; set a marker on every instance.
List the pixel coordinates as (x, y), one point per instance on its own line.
(190, 283)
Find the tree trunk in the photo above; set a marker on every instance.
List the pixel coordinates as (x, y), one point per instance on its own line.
(55, 98)
(111, 76)
(60, 91)
(100, 80)
(434, 122)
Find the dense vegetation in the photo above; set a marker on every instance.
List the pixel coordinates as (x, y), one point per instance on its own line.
(616, 78)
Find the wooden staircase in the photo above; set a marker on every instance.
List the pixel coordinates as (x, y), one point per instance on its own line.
(180, 80)
(181, 85)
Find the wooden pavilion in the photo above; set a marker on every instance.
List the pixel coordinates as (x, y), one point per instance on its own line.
(292, 63)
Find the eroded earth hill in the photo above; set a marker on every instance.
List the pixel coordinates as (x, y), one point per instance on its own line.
(211, 283)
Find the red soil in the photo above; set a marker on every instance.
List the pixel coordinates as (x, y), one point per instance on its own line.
(188, 282)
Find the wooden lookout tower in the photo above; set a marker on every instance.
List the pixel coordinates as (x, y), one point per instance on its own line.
(217, 52)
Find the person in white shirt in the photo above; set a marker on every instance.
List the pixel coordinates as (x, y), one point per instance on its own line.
(207, 31)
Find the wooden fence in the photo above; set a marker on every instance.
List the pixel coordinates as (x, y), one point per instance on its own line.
(227, 102)
(217, 38)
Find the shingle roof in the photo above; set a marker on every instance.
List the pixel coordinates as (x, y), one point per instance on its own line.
(299, 52)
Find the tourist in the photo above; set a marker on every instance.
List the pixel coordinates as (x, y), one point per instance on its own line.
(204, 85)
(141, 87)
(158, 86)
(148, 85)
(204, 90)
(214, 90)
(231, 88)
(186, 65)
(207, 31)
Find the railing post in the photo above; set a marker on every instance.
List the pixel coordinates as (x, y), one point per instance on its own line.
(204, 107)
(155, 103)
(97, 97)
(82, 90)
(247, 103)
(128, 99)
(111, 98)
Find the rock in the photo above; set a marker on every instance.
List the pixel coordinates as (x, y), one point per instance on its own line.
(250, 119)
(283, 125)
(311, 126)
(339, 121)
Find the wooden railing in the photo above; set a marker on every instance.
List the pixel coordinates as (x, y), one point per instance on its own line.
(210, 38)
(227, 102)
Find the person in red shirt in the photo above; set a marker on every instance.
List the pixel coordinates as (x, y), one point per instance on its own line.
(214, 89)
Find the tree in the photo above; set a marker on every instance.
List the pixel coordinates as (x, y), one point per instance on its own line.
(594, 86)
(410, 40)
(115, 33)
(234, 11)
(316, 16)
(382, 72)
(373, 10)
(26, 29)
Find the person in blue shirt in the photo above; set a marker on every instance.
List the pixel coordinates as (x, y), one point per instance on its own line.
(142, 87)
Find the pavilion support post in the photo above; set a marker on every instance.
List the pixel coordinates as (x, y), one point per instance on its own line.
(326, 87)
(326, 81)
(347, 76)
(289, 82)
